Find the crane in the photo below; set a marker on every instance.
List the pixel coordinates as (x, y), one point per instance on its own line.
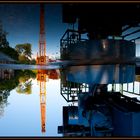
(41, 56)
(41, 74)
(42, 79)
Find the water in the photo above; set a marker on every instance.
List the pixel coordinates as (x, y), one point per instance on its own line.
(31, 98)
(21, 115)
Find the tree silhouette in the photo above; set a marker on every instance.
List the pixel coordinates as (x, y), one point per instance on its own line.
(4, 44)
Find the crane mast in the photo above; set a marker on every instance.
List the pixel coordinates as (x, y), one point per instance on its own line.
(41, 74)
(41, 56)
(41, 78)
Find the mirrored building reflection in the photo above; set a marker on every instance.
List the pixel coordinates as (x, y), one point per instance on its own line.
(97, 67)
(22, 83)
(101, 109)
(43, 77)
(101, 80)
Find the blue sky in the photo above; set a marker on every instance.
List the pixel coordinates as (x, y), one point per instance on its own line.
(21, 21)
(22, 115)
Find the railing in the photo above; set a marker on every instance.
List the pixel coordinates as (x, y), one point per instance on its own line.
(69, 38)
(130, 88)
(133, 34)
(72, 37)
(70, 90)
(134, 87)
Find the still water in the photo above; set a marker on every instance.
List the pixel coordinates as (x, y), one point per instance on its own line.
(20, 114)
(73, 101)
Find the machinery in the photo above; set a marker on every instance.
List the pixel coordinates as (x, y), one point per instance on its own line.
(103, 51)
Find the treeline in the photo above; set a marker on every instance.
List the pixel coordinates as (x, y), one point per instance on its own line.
(24, 53)
(21, 53)
(10, 52)
(9, 84)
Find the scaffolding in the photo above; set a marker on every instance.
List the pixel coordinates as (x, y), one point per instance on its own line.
(70, 90)
(69, 38)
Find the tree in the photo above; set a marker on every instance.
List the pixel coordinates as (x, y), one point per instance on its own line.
(24, 49)
(25, 52)
(33, 61)
(4, 45)
(3, 41)
(23, 59)
(19, 49)
(28, 51)
(25, 85)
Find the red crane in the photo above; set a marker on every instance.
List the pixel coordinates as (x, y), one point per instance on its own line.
(41, 74)
(41, 57)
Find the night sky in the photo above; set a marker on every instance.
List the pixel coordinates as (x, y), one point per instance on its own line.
(21, 21)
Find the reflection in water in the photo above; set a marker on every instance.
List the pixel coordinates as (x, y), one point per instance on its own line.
(6, 73)
(25, 82)
(102, 109)
(3, 101)
(91, 116)
(41, 78)
(6, 85)
(10, 79)
(101, 64)
(24, 87)
(101, 74)
(93, 109)
(22, 83)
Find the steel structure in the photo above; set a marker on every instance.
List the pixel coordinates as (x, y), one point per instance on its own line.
(41, 78)
(41, 74)
(41, 57)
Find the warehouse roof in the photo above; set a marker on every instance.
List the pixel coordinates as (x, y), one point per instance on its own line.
(4, 57)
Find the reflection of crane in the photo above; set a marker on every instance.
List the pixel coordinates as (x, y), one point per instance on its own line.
(41, 75)
(53, 74)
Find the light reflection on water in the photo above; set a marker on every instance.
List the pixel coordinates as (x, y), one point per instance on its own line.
(20, 110)
(22, 115)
